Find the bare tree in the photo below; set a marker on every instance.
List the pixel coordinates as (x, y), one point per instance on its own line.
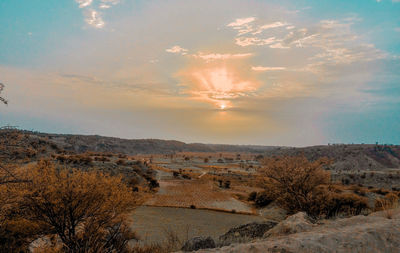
(1, 98)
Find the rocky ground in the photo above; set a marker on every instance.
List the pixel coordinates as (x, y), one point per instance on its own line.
(378, 232)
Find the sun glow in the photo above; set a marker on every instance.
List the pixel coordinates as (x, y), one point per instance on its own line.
(219, 85)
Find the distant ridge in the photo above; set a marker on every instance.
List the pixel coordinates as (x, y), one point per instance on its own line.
(96, 143)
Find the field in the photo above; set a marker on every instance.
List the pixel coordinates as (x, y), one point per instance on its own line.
(152, 223)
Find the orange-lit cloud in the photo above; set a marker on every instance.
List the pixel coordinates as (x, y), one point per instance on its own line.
(262, 69)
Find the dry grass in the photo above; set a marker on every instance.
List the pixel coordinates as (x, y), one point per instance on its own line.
(387, 204)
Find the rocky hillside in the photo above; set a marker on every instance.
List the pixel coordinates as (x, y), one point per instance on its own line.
(348, 157)
(362, 164)
(95, 143)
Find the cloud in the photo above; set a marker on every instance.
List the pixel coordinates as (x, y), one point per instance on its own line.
(84, 3)
(177, 50)
(93, 18)
(278, 45)
(104, 6)
(217, 56)
(93, 15)
(241, 21)
(250, 41)
(263, 69)
(108, 3)
(269, 26)
(248, 25)
(331, 41)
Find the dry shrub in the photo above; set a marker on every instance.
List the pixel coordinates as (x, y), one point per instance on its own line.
(261, 199)
(389, 201)
(252, 196)
(357, 189)
(328, 204)
(75, 159)
(298, 184)
(172, 243)
(86, 210)
(120, 162)
(16, 232)
(379, 191)
(294, 180)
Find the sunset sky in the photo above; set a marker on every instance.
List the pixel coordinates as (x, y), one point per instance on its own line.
(293, 73)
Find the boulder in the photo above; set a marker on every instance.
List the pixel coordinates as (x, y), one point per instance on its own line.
(199, 242)
(247, 232)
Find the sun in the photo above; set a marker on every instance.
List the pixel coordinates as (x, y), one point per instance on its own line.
(222, 106)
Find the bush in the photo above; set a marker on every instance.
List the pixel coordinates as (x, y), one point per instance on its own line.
(184, 176)
(389, 201)
(227, 184)
(252, 196)
(263, 199)
(153, 183)
(85, 210)
(295, 181)
(345, 204)
(380, 191)
(121, 162)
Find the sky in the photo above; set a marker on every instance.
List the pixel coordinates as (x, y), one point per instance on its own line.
(265, 72)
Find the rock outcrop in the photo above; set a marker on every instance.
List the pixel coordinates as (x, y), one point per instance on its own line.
(247, 232)
(198, 242)
(376, 233)
(297, 223)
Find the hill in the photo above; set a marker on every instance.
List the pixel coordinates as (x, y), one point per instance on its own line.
(96, 143)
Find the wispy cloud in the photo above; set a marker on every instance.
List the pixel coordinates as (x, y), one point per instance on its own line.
(93, 15)
(332, 40)
(217, 56)
(94, 19)
(269, 26)
(241, 21)
(177, 50)
(251, 41)
(279, 45)
(84, 3)
(263, 69)
(104, 6)
(250, 26)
